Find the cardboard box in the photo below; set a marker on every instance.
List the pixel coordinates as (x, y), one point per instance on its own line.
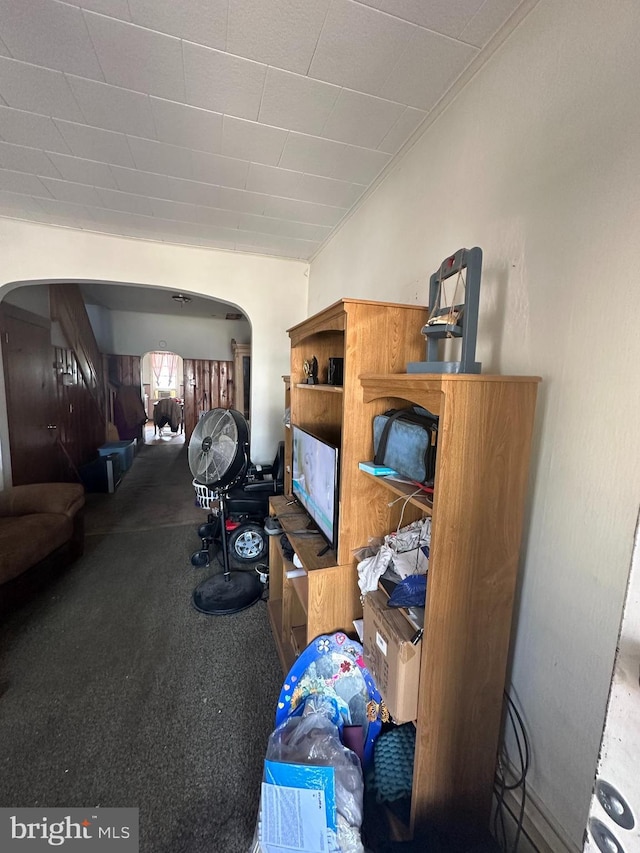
(391, 657)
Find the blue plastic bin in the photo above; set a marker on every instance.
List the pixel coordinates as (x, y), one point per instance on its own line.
(125, 450)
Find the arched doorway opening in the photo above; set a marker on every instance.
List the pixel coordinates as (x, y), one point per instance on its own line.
(162, 374)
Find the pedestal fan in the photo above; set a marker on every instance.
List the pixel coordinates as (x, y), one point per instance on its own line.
(218, 456)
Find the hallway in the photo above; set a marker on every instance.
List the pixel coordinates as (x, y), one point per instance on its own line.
(119, 693)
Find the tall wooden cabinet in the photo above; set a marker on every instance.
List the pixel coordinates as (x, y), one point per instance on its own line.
(484, 443)
(369, 336)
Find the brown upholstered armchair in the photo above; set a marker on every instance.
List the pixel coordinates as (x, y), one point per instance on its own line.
(41, 526)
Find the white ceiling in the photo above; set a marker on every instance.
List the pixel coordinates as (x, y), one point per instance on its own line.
(248, 125)
(153, 300)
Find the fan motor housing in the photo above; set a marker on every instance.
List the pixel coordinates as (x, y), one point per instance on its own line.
(218, 448)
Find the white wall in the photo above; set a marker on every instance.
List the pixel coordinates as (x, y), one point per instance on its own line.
(34, 299)
(134, 333)
(271, 292)
(537, 162)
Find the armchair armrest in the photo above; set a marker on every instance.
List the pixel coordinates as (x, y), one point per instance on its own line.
(63, 498)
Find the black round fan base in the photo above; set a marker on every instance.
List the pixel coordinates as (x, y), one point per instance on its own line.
(221, 595)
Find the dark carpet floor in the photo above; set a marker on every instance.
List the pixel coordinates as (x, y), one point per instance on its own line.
(116, 692)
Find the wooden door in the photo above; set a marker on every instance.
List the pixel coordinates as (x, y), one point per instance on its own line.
(29, 375)
(207, 385)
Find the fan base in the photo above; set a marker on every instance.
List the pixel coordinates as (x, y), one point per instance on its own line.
(221, 595)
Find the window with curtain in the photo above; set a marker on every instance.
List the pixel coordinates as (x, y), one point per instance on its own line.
(164, 366)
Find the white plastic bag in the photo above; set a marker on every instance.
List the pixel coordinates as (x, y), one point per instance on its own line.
(406, 550)
(313, 739)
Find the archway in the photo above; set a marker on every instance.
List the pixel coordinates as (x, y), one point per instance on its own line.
(162, 375)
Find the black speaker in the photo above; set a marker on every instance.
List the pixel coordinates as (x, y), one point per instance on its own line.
(335, 372)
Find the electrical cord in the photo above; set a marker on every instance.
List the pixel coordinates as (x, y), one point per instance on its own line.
(503, 783)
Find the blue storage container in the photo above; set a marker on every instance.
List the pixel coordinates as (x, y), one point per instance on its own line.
(125, 449)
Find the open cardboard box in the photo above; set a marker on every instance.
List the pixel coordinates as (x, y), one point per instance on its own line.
(391, 656)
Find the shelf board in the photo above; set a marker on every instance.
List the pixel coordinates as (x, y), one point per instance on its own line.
(301, 587)
(405, 490)
(299, 639)
(332, 389)
(286, 654)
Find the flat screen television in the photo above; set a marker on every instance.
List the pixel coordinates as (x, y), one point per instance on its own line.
(315, 481)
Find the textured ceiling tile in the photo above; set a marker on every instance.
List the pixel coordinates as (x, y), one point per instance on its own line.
(182, 212)
(401, 130)
(192, 192)
(360, 165)
(251, 141)
(113, 108)
(216, 219)
(222, 171)
(119, 222)
(21, 183)
(243, 201)
(83, 171)
(113, 8)
(444, 16)
(38, 89)
(29, 129)
(274, 181)
(259, 224)
(296, 102)
(140, 183)
(159, 157)
(332, 159)
(65, 212)
(223, 83)
(359, 46)
(361, 119)
(190, 235)
(189, 127)
(428, 66)
(488, 21)
(126, 202)
(303, 211)
(310, 154)
(285, 247)
(18, 205)
(305, 231)
(282, 33)
(138, 59)
(329, 191)
(201, 21)
(92, 143)
(76, 193)
(22, 159)
(50, 34)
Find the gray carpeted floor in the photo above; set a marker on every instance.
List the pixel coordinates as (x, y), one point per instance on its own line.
(118, 693)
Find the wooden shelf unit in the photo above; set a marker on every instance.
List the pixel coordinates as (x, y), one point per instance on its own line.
(287, 436)
(484, 442)
(369, 336)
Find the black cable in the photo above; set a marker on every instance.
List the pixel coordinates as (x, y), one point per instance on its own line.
(506, 767)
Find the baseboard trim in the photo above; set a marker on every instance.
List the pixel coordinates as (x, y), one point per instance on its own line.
(540, 833)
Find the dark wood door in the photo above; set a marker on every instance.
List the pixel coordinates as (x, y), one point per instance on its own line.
(207, 385)
(29, 375)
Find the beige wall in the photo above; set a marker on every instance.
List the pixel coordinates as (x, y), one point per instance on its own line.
(270, 291)
(537, 162)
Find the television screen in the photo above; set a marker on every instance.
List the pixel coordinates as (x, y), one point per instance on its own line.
(315, 480)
